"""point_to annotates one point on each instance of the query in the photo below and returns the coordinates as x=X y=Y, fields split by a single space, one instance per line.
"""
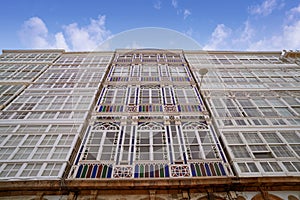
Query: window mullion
x=150 y=95
x=200 y=144
x=100 y=151
x=151 y=145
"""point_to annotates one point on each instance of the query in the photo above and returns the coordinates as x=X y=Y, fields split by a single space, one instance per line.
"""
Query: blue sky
x=213 y=24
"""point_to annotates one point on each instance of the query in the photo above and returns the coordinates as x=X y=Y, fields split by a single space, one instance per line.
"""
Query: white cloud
x=294 y=13
x=287 y=38
x=292 y=35
x=60 y=41
x=186 y=13
x=87 y=37
x=247 y=33
x=34 y=34
x=266 y=44
x=157 y=5
x=266 y=8
x=174 y=3
x=218 y=38
x=189 y=32
x=179 y=11
x=244 y=36
x=225 y=38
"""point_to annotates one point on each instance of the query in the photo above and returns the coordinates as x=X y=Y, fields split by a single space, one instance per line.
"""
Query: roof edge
x=32 y=50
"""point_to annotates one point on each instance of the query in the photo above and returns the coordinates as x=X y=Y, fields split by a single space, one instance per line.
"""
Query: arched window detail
x=102 y=142
x=194 y=126
x=198 y=141
x=106 y=126
x=151 y=142
x=151 y=126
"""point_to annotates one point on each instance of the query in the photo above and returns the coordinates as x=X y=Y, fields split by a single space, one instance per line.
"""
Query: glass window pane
x=233 y=138
x=271 y=137
x=290 y=136
x=252 y=167
x=281 y=151
x=252 y=138
x=240 y=152
x=243 y=167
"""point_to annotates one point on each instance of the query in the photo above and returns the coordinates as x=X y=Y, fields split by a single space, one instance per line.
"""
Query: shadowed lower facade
x=149 y=124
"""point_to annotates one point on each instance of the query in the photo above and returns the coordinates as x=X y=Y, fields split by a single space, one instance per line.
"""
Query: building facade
x=149 y=124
